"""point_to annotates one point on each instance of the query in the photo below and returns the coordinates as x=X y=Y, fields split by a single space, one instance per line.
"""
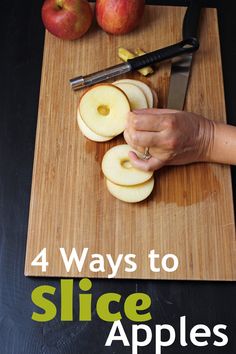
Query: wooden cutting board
x=190 y=213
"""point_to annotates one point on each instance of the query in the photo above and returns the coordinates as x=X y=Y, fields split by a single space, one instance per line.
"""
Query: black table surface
x=210 y=303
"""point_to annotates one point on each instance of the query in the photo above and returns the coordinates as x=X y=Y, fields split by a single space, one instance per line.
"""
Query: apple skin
x=67 y=19
x=119 y=16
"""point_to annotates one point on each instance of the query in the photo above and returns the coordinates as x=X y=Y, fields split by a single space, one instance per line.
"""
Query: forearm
x=223 y=146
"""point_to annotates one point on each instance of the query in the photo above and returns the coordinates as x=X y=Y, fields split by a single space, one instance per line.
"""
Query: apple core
x=126 y=164
x=103 y=110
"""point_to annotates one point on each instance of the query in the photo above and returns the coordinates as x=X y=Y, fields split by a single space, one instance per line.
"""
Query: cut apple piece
x=135 y=95
x=104 y=109
x=131 y=194
x=145 y=88
x=88 y=133
x=155 y=99
x=117 y=168
x=125 y=55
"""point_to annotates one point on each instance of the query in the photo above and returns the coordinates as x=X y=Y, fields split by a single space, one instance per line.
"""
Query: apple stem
x=60 y=3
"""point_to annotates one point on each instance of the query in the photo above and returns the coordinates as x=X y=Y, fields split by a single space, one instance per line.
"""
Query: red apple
x=67 y=19
x=119 y=16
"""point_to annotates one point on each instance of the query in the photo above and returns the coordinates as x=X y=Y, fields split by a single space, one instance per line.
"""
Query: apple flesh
x=119 y=16
x=131 y=194
x=135 y=95
x=67 y=19
x=117 y=168
x=155 y=98
x=88 y=133
x=144 y=87
x=123 y=180
x=104 y=109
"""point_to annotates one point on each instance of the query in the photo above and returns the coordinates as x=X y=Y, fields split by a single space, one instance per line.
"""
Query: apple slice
x=145 y=88
x=88 y=133
x=155 y=98
x=135 y=95
x=104 y=109
x=131 y=194
x=117 y=168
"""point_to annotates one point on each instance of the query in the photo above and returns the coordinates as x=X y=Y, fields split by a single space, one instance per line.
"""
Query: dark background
x=210 y=303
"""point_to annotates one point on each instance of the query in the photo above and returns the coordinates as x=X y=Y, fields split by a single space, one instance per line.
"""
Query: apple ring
x=131 y=194
x=104 y=109
x=144 y=87
x=117 y=168
x=135 y=95
x=88 y=133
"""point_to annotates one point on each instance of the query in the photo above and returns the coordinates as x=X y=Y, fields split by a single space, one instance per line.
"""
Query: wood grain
x=190 y=212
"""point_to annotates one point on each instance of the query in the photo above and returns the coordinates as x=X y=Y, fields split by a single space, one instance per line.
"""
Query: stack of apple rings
x=123 y=180
x=101 y=116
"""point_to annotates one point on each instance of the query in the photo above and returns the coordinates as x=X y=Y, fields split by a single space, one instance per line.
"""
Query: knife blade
x=181 y=67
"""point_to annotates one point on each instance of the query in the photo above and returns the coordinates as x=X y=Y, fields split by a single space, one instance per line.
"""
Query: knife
x=181 y=67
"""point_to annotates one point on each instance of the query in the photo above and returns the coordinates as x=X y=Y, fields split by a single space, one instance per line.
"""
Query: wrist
x=207 y=130
x=222 y=148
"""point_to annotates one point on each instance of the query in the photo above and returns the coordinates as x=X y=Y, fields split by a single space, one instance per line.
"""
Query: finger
x=143 y=120
x=146 y=165
x=129 y=142
x=144 y=138
x=147 y=122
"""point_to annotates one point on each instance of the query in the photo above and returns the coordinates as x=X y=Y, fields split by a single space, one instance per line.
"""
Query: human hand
x=173 y=137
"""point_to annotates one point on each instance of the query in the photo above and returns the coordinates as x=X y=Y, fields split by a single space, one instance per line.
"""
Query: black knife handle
x=191 y=19
x=189 y=45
